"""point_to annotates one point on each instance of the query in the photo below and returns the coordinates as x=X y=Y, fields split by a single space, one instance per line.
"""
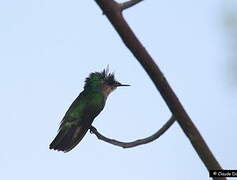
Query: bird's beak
x=119 y=84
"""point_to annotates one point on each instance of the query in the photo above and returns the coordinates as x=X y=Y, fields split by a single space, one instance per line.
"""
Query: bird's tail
x=67 y=139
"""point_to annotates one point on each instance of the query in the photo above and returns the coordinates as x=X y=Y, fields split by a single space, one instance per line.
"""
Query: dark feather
x=68 y=139
x=100 y=77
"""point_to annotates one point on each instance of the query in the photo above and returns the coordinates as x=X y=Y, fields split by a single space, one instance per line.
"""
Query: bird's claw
x=92 y=129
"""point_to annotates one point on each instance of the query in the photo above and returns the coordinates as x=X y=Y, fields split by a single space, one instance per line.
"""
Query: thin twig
x=138 y=142
x=129 y=4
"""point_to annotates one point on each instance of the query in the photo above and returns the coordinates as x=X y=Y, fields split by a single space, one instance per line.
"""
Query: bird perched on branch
x=84 y=109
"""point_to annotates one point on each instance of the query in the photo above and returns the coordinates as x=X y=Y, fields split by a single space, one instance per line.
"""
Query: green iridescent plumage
x=84 y=109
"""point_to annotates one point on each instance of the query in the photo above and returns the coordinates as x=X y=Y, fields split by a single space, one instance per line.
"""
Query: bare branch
x=112 y=10
x=129 y=4
x=138 y=142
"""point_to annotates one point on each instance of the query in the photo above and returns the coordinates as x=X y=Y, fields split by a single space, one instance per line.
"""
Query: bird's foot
x=92 y=130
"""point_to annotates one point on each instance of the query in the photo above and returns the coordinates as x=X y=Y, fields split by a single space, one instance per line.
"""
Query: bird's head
x=104 y=82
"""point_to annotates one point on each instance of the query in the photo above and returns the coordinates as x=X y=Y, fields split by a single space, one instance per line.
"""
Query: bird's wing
x=76 y=122
x=73 y=114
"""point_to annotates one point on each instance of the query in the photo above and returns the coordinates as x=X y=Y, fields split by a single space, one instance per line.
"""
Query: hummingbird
x=82 y=112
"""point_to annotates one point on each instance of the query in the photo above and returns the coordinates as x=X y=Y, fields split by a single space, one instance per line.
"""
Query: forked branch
x=129 y=4
x=113 y=12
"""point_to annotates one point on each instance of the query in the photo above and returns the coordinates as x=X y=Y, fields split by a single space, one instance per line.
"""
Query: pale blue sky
x=48 y=48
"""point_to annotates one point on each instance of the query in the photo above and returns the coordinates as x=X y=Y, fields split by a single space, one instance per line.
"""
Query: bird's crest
x=97 y=78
